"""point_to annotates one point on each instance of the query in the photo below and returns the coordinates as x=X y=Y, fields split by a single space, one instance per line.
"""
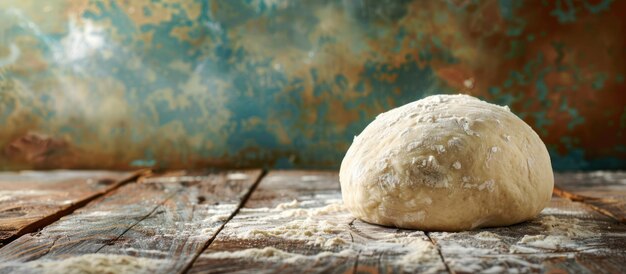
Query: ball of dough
x=446 y=163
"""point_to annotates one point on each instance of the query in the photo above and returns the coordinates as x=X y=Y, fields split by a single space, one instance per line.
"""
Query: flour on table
x=292 y=204
x=277 y=255
x=91 y=263
x=308 y=230
x=237 y=176
x=322 y=221
x=502 y=265
x=545 y=241
x=219 y=218
x=297 y=208
x=558 y=234
x=334 y=241
x=494 y=270
x=418 y=251
x=488 y=236
x=303 y=212
x=570 y=227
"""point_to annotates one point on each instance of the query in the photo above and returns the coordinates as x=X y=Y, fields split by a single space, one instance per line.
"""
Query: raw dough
x=446 y=162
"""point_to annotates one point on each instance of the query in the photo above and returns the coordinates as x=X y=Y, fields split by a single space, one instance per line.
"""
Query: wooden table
x=253 y=221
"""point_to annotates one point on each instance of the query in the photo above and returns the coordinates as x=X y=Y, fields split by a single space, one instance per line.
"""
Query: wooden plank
x=30 y=200
x=164 y=220
x=181 y=227
x=604 y=191
x=295 y=222
x=567 y=237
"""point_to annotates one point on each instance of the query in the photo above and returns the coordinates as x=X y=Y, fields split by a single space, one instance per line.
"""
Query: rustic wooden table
x=283 y=221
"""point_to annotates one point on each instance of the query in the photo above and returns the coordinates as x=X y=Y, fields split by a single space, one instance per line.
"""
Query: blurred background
x=287 y=84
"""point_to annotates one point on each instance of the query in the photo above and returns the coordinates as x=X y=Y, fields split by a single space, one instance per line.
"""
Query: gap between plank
x=232 y=215
x=138 y=221
x=443 y=259
x=585 y=201
x=45 y=221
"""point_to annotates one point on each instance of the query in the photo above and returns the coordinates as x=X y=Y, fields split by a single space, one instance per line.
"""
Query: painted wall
x=283 y=83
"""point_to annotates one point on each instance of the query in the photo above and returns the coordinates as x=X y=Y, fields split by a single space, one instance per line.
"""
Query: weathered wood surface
x=166 y=219
x=295 y=222
x=604 y=191
x=568 y=237
x=30 y=200
x=286 y=226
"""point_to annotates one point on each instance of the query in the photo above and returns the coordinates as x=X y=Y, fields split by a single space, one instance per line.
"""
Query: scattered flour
x=559 y=234
x=312 y=231
x=335 y=241
x=439 y=148
x=237 y=176
x=274 y=254
x=494 y=270
x=292 y=204
x=465 y=124
x=519 y=249
x=295 y=209
x=457 y=248
x=301 y=212
x=268 y=253
x=565 y=227
x=545 y=241
x=488 y=236
x=419 y=251
x=219 y=218
x=507 y=264
x=412 y=145
x=91 y=263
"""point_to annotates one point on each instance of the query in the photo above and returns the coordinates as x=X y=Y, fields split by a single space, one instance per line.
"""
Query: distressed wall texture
x=282 y=83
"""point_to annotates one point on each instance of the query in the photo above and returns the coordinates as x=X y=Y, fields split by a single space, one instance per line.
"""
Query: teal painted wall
x=277 y=83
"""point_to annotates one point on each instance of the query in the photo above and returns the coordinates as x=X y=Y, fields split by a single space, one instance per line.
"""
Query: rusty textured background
x=124 y=84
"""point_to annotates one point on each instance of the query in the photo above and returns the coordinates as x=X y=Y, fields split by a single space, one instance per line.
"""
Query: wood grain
x=31 y=200
x=169 y=218
x=601 y=190
x=295 y=222
x=567 y=237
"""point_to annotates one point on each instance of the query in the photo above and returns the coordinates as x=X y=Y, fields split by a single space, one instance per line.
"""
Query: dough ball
x=446 y=162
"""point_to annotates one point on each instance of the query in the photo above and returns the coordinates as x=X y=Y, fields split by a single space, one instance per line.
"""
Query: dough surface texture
x=446 y=163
